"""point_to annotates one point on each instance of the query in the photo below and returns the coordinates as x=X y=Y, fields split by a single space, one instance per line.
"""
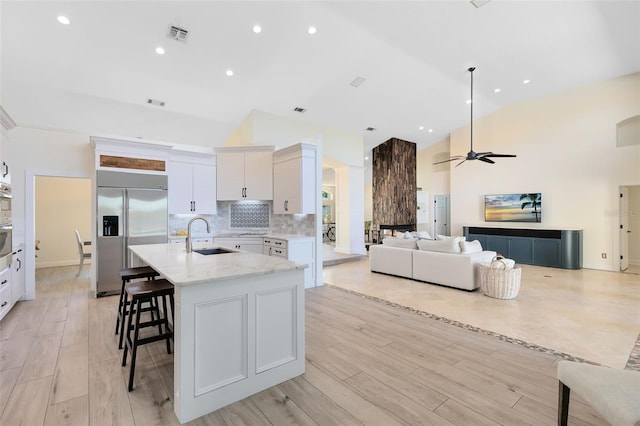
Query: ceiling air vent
x=300 y=110
x=155 y=102
x=178 y=33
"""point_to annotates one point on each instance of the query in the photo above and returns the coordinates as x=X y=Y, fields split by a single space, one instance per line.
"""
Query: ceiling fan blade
x=499 y=155
x=461 y=162
x=457 y=157
x=484 y=154
x=486 y=160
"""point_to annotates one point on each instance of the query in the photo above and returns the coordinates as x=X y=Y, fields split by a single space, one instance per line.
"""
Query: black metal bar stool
x=127 y=275
x=136 y=293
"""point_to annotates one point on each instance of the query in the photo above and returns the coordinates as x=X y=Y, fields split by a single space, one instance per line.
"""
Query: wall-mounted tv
x=513 y=208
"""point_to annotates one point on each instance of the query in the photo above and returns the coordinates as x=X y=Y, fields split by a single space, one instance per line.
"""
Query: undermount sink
x=216 y=250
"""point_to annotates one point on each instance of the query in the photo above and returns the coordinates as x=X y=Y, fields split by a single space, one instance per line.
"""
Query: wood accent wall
x=394 y=183
x=132 y=163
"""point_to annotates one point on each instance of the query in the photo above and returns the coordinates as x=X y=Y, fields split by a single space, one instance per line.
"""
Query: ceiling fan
x=472 y=155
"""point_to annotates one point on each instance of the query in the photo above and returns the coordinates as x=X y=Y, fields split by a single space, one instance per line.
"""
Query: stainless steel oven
x=5 y=226
x=5 y=204
x=5 y=246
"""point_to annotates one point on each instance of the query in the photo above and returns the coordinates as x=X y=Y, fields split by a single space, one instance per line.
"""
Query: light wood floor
x=367 y=363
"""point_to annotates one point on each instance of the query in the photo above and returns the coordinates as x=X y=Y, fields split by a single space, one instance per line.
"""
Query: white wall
x=566 y=148
x=37 y=152
x=61 y=206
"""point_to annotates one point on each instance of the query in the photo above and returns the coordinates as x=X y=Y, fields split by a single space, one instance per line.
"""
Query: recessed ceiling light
x=468 y=101
x=257 y=29
x=497 y=90
x=229 y=73
x=526 y=81
x=63 y=20
x=430 y=130
x=160 y=50
x=312 y=30
x=366 y=158
x=299 y=109
x=421 y=128
x=357 y=81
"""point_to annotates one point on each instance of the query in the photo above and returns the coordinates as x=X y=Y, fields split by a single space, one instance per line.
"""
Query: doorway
x=30 y=220
x=62 y=205
x=441 y=215
x=629 y=211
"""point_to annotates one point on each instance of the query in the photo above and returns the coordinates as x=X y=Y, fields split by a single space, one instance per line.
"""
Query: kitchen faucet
x=188 y=242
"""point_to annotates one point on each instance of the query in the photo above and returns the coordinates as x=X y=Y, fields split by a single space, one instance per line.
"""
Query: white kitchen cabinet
x=7 y=124
x=17 y=275
x=295 y=248
x=245 y=173
x=192 y=188
x=294 y=180
x=5 y=291
x=249 y=244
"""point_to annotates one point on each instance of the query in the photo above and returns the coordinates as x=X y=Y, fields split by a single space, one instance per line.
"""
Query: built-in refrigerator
x=131 y=210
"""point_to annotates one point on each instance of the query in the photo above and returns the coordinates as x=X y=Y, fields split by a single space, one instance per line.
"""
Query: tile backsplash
x=248 y=215
x=234 y=216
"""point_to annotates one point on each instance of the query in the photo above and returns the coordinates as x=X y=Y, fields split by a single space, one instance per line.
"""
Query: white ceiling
x=95 y=75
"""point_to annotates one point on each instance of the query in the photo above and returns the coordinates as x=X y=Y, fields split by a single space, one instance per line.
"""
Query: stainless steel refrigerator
x=131 y=210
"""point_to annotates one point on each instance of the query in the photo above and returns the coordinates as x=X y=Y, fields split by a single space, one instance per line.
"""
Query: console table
x=558 y=248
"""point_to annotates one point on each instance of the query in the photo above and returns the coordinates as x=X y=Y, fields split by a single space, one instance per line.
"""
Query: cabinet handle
x=278 y=243
x=6 y=171
x=3 y=282
x=270 y=248
x=19 y=265
x=4 y=304
x=286 y=205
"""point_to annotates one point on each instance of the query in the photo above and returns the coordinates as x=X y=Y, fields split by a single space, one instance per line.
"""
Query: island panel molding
x=276 y=337
x=220 y=345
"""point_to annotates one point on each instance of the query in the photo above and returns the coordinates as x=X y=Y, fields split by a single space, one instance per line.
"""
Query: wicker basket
x=499 y=282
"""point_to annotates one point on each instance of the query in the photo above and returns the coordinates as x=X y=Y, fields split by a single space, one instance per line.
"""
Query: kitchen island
x=239 y=323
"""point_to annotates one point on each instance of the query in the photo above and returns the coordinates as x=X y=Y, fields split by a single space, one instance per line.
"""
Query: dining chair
x=83 y=255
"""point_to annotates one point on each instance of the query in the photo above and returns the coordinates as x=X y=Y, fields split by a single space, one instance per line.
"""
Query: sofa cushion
x=450 y=245
x=409 y=243
x=467 y=247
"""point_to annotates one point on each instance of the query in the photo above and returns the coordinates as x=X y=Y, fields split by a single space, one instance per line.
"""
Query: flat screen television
x=513 y=208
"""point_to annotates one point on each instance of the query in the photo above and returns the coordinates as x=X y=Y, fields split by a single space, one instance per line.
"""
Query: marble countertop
x=182 y=269
x=287 y=237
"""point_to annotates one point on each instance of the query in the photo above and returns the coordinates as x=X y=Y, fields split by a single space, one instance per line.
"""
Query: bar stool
x=127 y=275
x=136 y=293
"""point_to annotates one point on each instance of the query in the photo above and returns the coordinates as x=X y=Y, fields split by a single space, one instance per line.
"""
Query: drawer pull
x=4 y=304
x=3 y=282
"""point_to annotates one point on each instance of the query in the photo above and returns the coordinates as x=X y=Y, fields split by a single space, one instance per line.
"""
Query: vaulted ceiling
x=97 y=74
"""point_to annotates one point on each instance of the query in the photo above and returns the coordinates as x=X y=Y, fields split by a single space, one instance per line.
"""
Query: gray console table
x=543 y=247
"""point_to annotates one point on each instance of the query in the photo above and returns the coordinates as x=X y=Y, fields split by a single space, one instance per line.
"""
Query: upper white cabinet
x=245 y=173
x=192 y=187
x=294 y=180
x=7 y=124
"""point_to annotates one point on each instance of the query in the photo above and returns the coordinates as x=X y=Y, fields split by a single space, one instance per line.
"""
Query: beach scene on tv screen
x=513 y=208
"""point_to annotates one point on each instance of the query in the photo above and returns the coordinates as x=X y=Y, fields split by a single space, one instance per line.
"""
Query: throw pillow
x=424 y=235
x=408 y=243
x=450 y=245
x=470 y=246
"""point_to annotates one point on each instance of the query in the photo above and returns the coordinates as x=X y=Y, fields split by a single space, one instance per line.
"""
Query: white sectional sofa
x=442 y=262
